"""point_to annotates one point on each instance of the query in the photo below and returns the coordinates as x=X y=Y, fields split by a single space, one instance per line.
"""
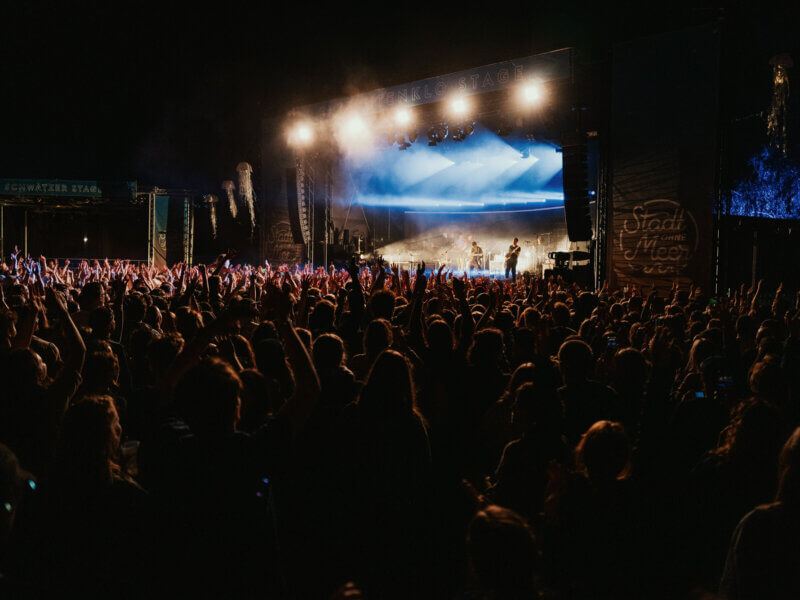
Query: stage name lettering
x=548 y=67
x=51 y=188
x=472 y=82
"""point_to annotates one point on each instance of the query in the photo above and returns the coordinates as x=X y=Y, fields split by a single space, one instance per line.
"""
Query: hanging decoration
x=776 y=120
x=246 y=192
x=773 y=188
x=211 y=200
x=229 y=188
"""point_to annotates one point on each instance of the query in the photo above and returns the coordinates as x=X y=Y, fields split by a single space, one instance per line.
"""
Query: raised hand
x=420 y=283
x=459 y=289
x=57 y=301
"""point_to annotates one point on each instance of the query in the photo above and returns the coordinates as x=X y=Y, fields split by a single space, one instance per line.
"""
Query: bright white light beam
x=459 y=106
x=531 y=93
x=355 y=126
x=402 y=116
x=302 y=134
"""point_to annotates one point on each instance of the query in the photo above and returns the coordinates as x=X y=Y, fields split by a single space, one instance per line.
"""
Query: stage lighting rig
x=437 y=134
x=463 y=130
x=402 y=142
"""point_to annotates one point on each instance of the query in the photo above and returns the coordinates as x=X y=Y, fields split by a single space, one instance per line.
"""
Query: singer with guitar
x=511 y=259
x=476 y=255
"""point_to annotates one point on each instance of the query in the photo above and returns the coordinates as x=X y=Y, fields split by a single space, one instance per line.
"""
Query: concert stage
x=417 y=172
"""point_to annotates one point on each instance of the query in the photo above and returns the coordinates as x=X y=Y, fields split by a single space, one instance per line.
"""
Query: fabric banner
x=161 y=215
x=549 y=66
x=663 y=159
x=66 y=188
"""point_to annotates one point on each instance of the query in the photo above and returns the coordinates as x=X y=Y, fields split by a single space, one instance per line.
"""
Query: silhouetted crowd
x=372 y=432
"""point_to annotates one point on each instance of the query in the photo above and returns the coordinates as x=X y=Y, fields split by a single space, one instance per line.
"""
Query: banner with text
x=66 y=188
x=549 y=66
x=664 y=157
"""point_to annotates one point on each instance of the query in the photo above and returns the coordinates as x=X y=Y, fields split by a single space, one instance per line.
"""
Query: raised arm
x=120 y=288
x=756 y=298
x=73 y=338
x=467 y=322
x=307 y=389
x=356 y=295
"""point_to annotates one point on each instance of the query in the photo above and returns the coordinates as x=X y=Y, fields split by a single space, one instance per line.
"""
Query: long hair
x=377 y=337
x=502 y=552
x=389 y=390
x=604 y=452
x=753 y=435
x=89 y=445
x=524 y=373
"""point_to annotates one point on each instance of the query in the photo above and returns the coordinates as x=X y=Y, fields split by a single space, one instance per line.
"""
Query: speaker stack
x=575 y=156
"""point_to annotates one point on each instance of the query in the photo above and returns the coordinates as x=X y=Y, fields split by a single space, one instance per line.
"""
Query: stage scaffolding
x=19 y=209
x=156 y=251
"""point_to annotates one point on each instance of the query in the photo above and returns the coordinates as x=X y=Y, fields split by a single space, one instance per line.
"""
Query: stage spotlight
x=354 y=134
x=459 y=106
x=463 y=130
x=432 y=137
x=531 y=93
x=355 y=126
x=402 y=116
x=437 y=134
x=301 y=135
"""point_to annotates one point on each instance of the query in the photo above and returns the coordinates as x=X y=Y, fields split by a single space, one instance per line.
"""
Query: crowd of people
x=374 y=432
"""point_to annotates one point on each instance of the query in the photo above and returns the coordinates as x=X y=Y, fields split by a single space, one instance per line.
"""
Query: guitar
x=512 y=254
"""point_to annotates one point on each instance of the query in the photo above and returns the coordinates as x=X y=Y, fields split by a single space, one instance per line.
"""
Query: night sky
x=173 y=95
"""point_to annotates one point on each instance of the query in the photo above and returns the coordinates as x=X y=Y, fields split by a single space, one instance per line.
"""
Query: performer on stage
x=511 y=259
x=476 y=255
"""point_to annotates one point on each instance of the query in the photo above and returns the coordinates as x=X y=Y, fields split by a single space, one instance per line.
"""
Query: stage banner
x=549 y=66
x=66 y=188
x=663 y=159
x=161 y=215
